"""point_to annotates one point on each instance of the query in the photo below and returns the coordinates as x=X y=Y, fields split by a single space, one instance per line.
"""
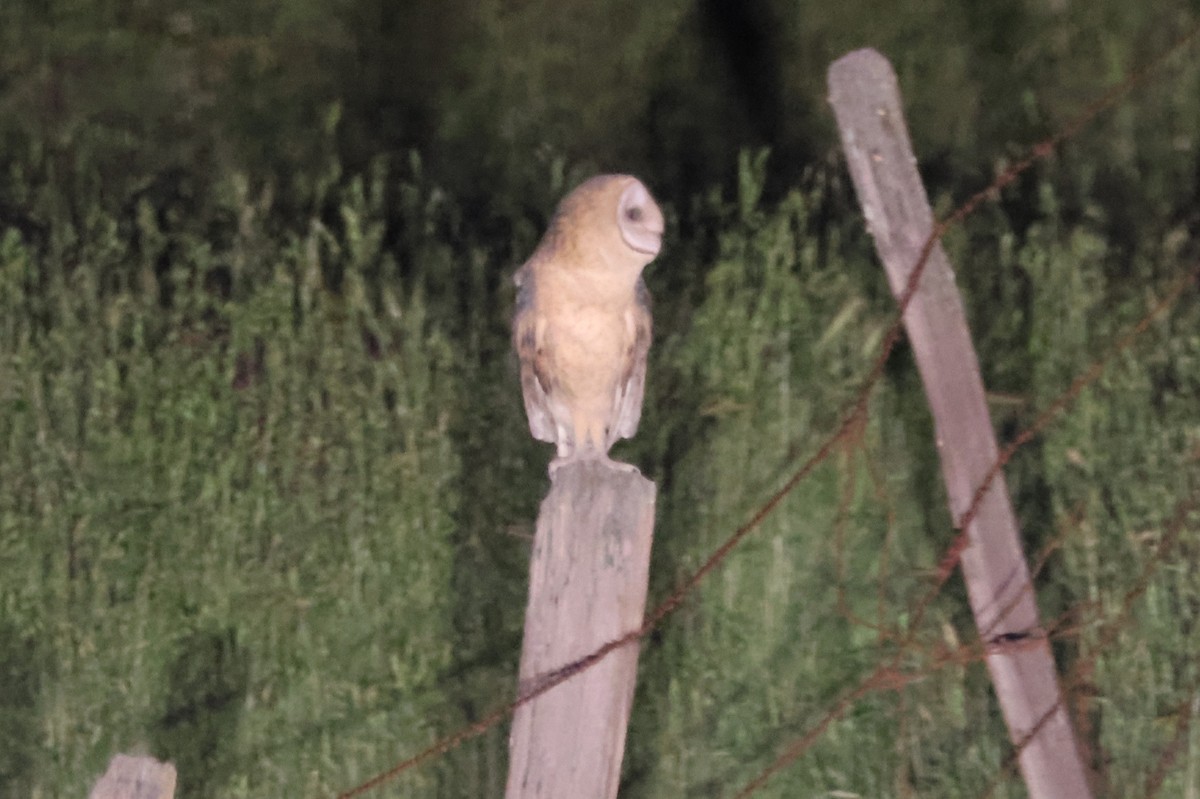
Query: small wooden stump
x=130 y=777
x=587 y=586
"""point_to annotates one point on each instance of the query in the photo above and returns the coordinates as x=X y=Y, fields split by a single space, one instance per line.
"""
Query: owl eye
x=634 y=214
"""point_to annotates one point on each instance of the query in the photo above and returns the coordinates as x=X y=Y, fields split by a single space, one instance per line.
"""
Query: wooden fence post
x=865 y=97
x=587 y=586
x=130 y=777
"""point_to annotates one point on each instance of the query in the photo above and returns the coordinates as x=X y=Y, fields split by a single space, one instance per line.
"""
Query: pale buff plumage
x=582 y=322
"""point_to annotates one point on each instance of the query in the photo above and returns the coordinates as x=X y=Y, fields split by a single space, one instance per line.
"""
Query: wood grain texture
x=866 y=100
x=130 y=777
x=587 y=586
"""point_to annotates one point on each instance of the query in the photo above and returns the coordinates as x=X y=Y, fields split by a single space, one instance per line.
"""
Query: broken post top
x=585 y=479
x=130 y=777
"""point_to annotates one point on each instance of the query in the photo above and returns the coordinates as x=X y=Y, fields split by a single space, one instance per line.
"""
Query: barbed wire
x=852 y=421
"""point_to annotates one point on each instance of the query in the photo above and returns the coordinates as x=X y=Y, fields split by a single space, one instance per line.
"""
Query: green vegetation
x=265 y=479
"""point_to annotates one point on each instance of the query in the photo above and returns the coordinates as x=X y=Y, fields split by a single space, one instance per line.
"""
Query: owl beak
x=646 y=241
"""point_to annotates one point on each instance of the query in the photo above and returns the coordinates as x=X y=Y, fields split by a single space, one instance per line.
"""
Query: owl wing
x=528 y=340
x=631 y=391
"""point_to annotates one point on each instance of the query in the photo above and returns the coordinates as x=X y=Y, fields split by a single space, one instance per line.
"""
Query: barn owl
x=582 y=322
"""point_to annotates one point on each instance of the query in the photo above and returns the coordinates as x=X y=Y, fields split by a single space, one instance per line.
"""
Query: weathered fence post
x=587 y=586
x=130 y=777
x=866 y=100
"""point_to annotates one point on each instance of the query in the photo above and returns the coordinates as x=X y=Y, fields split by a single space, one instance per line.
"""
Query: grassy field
x=264 y=499
x=266 y=484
